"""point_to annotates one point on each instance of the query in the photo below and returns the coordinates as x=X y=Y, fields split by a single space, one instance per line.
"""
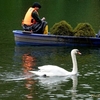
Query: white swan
x=52 y=70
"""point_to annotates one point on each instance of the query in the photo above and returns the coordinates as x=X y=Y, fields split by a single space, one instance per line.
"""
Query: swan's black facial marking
x=78 y=52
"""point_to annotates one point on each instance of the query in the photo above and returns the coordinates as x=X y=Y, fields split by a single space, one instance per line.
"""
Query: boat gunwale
x=19 y=32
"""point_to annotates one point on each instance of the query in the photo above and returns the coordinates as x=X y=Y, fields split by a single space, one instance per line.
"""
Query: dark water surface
x=16 y=83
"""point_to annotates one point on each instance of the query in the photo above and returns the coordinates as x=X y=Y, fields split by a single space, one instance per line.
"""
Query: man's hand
x=43 y=18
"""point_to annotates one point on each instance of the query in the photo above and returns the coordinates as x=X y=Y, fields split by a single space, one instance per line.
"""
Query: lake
x=15 y=62
x=17 y=82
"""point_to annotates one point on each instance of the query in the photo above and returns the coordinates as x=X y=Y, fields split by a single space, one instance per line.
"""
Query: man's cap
x=36 y=4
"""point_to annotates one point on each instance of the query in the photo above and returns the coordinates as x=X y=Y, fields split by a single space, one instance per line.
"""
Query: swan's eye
x=78 y=52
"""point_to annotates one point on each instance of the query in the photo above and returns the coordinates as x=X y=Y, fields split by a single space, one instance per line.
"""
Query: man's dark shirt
x=36 y=17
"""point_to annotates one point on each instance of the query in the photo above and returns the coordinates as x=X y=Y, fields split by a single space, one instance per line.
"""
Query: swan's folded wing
x=54 y=70
x=50 y=70
x=47 y=67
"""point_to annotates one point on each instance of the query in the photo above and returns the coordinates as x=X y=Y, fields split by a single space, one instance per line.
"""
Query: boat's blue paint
x=27 y=38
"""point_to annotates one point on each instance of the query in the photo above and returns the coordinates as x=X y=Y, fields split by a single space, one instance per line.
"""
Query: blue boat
x=32 y=39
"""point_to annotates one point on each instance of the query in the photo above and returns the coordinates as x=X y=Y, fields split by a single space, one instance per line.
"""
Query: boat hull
x=26 y=38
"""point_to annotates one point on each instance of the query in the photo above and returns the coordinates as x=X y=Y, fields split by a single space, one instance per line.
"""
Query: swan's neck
x=74 y=62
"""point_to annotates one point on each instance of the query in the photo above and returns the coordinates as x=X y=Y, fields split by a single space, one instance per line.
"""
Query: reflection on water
x=28 y=64
x=17 y=82
x=29 y=86
x=54 y=84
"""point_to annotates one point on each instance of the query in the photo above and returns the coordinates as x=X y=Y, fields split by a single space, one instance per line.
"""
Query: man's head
x=36 y=5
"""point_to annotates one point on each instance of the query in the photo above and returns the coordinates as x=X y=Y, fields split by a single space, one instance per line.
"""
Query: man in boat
x=32 y=22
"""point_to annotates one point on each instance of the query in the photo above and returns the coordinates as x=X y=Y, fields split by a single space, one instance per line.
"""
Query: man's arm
x=36 y=17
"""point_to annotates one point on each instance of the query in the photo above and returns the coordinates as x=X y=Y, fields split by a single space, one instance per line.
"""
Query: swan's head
x=75 y=51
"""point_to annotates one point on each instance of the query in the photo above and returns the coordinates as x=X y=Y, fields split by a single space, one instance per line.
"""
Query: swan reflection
x=74 y=87
x=56 y=83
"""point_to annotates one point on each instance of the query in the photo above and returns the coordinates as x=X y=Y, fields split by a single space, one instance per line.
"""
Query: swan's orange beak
x=79 y=53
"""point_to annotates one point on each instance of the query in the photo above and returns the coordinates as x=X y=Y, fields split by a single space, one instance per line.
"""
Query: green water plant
x=62 y=28
x=84 y=30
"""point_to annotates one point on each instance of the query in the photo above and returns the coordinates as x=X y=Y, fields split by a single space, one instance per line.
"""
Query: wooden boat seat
x=27 y=32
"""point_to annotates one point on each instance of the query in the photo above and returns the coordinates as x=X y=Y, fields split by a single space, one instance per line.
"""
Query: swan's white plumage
x=53 y=70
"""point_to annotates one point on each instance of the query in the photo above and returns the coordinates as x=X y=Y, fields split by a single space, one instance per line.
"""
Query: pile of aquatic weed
x=62 y=28
x=84 y=30
x=81 y=30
